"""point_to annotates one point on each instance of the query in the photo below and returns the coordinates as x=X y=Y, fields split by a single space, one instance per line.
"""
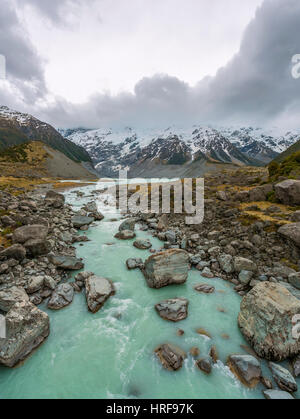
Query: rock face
x=23 y=234
x=98 y=291
x=67 y=262
x=291 y=232
x=171 y=356
x=173 y=310
x=265 y=320
x=61 y=297
x=167 y=268
x=283 y=378
x=26 y=328
x=288 y=192
x=246 y=368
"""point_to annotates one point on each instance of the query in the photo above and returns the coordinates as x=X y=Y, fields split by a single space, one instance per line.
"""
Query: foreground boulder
x=167 y=268
x=61 y=297
x=98 y=291
x=16 y=251
x=67 y=262
x=171 y=356
x=246 y=368
x=265 y=320
x=283 y=378
x=288 y=192
x=24 y=234
x=291 y=232
x=11 y=296
x=173 y=310
x=26 y=328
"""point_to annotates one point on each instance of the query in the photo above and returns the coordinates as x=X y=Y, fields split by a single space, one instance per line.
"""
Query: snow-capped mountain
x=178 y=151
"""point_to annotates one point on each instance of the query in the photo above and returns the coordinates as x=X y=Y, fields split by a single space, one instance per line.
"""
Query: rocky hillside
x=17 y=128
x=176 y=151
x=291 y=150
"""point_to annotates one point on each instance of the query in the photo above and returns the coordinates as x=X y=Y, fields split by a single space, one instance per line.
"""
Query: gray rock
x=245 y=277
x=171 y=237
x=173 y=310
x=265 y=320
x=283 y=378
x=296 y=366
x=247 y=369
x=128 y=225
x=35 y=284
x=170 y=267
x=291 y=232
x=49 y=283
x=242 y=264
x=23 y=234
x=61 y=297
x=37 y=247
x=80 y=221
x=98 y=291
x=277 y=395
x=142 y=244
x=226 y=263
x=26 y=327
x=67 y=262
x=294 y=280
x=134 y=263
x=260 y=193
x=12 y=296
x=163 y=222
x=295 y=217
x=288 y=192
x=16 y=251
x=222 y=196
x=54 y=199
x=125 y=235
x=207 y=273
x=171 y=356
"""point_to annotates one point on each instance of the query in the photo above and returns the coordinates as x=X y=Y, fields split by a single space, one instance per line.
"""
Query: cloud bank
x=255 y=87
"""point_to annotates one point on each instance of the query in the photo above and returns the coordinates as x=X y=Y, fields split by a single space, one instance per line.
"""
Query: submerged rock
x=167 y=268
x=265 y=320
x=125 y=235
x=98 y=291
x=173 y=310
x=283 y=378
x=26 y=328
x=171 y=356
x=62 y=296
x=246 y=368
x=205 y=288
x=142 y=244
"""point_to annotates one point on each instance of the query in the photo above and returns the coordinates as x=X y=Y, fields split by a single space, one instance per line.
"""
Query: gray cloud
x=254 y=87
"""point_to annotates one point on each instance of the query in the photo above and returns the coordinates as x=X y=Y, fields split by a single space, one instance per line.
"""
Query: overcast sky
x=151 y=62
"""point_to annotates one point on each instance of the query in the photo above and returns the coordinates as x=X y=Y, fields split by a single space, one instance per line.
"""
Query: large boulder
x=288 y=192
x=171 y=356
x=16 y=251
x=35 y=284
x=67 y=262
x=37 y=247
x=12 y=296
x=98 y=291
x=26 y=328
x=142 y=244
x=167 y=268
x=80 y=221
x=61 y=297
x=291 y=232
x=266 y=321
x=260 y=193
x=174 y=310
x=246 y=368
x=24 y=234
x=242 y=264
x=128 y=225
x=54 y=199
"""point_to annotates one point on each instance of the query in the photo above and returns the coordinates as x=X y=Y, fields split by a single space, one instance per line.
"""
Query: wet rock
x=26 y=328
x=35 y=284
x=283 y=378
x=80 y=221
x=170 y=267
x=98 y=291
x=128 y=225
x=171 y=356
x=213 y=353
x=205 y=288
x=134 y=263
x=205 y=365
x=246 y=368
x=67 y=262
x=277 y=395
x=203 y=332
x=61 y=297
x=291 y=232
x=242 y=264
x=142 y=244
x=125 y=235
x=11 y=296
x=288 y=192
x=23 y=234
x=265 y=320
x=195 y=352
x=207 y=273
x=267 y=383
x=173 y=310
x=16 y=251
